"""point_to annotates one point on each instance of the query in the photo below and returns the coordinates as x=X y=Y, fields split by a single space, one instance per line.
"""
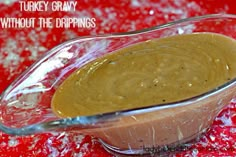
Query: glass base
x=147 y=151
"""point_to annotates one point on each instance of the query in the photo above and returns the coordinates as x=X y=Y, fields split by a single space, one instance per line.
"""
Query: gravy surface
x=148 y=73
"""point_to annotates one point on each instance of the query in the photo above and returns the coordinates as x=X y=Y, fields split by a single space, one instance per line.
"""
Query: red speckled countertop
x=19 y=48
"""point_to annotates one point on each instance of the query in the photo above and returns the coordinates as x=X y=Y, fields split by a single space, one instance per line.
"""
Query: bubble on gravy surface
x=148 y=73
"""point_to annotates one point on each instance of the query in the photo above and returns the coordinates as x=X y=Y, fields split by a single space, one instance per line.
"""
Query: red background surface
x=19 y=48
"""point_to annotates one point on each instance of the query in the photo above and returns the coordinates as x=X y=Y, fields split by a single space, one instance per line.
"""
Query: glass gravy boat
x=25 y=105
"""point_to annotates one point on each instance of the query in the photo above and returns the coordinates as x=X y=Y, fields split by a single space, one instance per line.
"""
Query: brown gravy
x=148 y=73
